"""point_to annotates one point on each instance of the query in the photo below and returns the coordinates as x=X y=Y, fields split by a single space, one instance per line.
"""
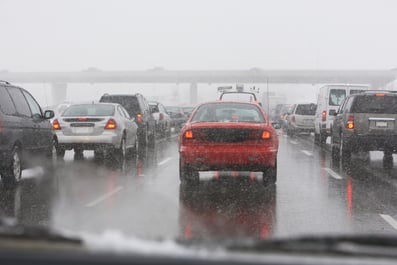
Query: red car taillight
x=350 y=122
x=293 y=119
x=111 y=124
x=188 y=134
x=260 y=135
x=56 y=125
x=324 y=115
x=139 y=118
x=266 y=135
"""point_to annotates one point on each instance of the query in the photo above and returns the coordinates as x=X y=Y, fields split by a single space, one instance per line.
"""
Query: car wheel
x=59 y=151
x=143 y=146
x=334 y=150
x=316 y=138
x=78 y=154
x=270 y=175
x=99 y=155
x=188 y=176
x=388 y=159
x=323 y=139
x=123 y=149
x=344 y=153
x=13 y=172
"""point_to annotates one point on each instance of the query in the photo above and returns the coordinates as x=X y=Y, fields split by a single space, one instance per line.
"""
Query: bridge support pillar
x=193 y=93
x=58 y=92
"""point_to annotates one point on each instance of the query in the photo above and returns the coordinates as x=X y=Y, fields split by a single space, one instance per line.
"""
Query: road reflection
x=219 y=210
x=29 y=202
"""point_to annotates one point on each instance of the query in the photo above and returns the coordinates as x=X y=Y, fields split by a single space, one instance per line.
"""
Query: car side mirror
x=333 y=112
x=49 y=114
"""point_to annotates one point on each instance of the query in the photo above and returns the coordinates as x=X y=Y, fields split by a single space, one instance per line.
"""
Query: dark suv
x=366 y=122
x=25 y=132
x=138 y=107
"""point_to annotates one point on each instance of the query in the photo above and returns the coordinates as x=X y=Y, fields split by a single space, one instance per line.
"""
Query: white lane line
x=307 y=152
x=332 y=173
x=293 y=142
x=104 y=197
x=390 y=220
x=164 y=161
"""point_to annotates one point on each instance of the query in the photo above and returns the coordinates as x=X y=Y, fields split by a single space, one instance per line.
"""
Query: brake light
x=139 y=118
x=379 y=95
x=189 y=134
x=293 y=118
x=266 y=135
x=324 y=115
x=111 y=124
x=56 y=125
x=350 y=122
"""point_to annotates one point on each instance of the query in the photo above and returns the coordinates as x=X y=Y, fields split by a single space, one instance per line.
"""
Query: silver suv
x=366 y=122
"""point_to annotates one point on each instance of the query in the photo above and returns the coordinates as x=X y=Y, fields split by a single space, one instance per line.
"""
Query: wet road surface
x=313 y=196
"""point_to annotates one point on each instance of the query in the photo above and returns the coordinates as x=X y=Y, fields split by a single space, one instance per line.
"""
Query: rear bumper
x=372 y=142
x=88 y=142
x=298 y=128
x=244 y=158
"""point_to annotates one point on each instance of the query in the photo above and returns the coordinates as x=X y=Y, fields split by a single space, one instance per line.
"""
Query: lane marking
x=164 y=161
x=104 y=197
x=307 y=152
x=332 y=173
x=390 y=220
x=293 y=142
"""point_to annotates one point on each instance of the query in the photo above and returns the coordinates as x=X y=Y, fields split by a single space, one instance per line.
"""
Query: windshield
x=140 y=150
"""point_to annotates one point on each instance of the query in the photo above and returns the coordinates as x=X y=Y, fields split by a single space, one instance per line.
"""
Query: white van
x=329 y=98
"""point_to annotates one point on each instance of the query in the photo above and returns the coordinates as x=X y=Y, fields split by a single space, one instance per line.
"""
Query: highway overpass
x=59 y=80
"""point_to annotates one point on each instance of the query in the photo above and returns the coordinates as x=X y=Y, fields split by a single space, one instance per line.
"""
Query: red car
x=228 y=138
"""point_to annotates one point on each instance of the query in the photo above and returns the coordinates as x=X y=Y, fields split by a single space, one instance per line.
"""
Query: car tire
x=323 y=139
x=388 y=159
x=334 y=150
x=270 y=175
x=143 y=146
x=344 y=153
x=188 y=176
x=78 y=154
x=60 y=152
x=122 y=151
x=99 y=155
x=12 y=173
x=316 y=138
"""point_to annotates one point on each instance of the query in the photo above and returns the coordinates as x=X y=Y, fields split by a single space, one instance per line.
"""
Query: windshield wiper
x=363 y=245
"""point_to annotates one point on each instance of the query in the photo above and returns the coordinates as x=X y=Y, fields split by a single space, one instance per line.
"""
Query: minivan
x=25 y=132
x=330 y=97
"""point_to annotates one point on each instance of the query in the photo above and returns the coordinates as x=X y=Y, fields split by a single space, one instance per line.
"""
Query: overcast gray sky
x=56 y=35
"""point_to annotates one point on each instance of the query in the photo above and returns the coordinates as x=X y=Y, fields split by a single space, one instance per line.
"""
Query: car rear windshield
x=228 y=112
x=89 y=110
x=375 y=104
x=130 y=103
x=306 y=109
